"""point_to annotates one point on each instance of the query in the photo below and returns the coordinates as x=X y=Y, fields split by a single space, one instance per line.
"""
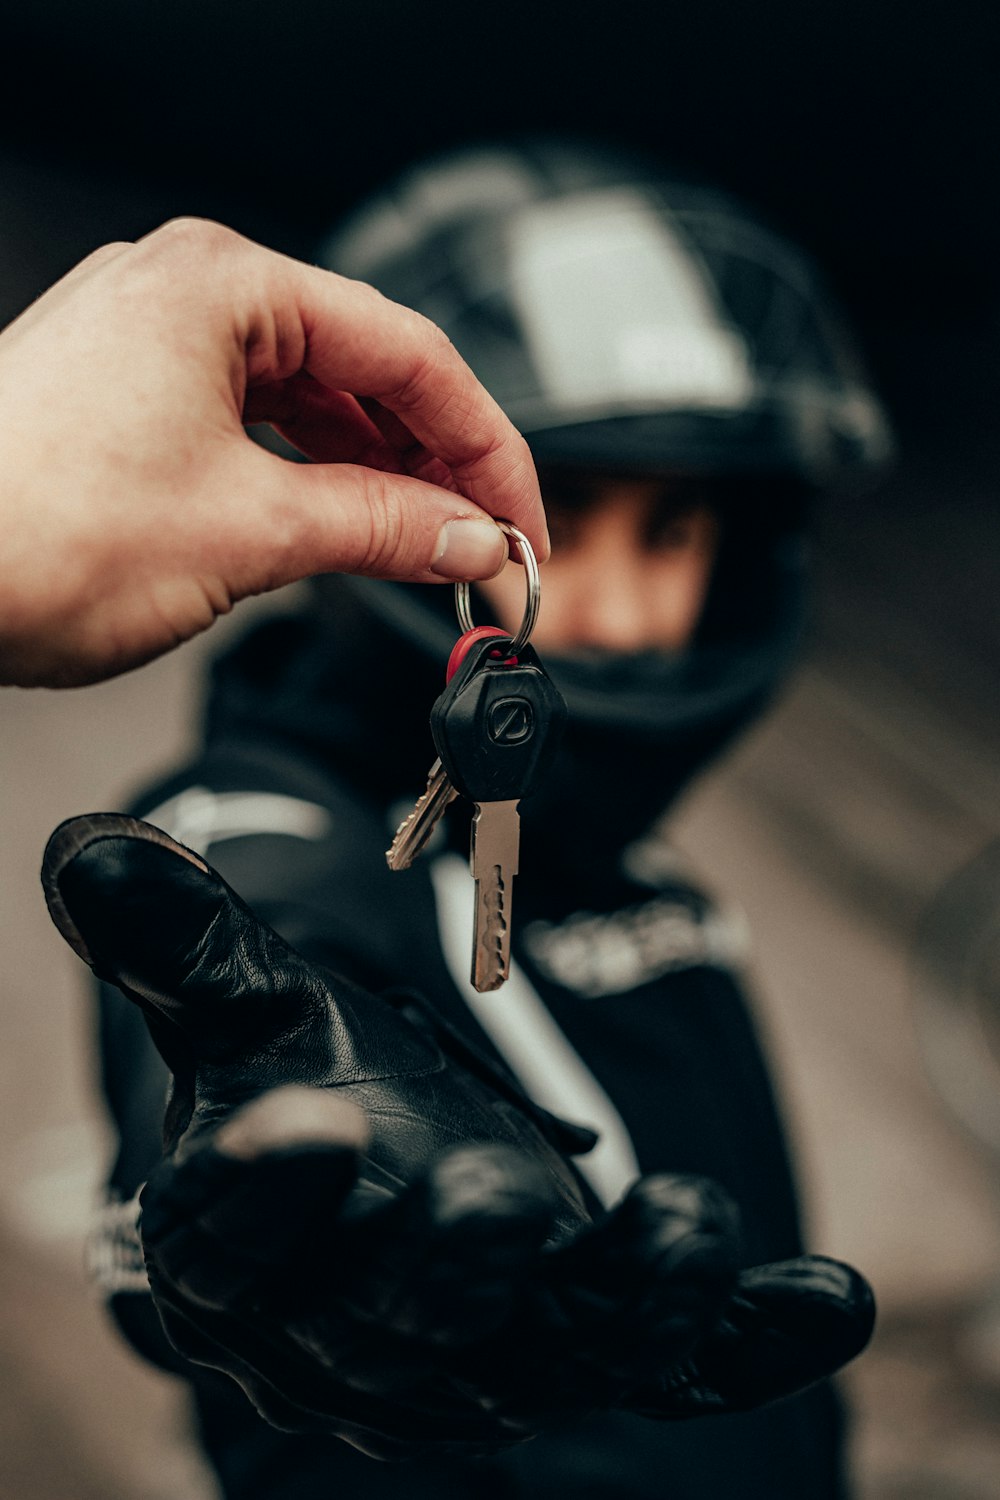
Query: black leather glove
x=366 y=1224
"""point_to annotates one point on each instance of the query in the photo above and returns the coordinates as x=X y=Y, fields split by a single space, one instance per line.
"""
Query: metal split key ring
x=533 y=587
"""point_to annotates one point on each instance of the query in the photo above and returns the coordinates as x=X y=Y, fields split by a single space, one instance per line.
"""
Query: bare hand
x=135 y=510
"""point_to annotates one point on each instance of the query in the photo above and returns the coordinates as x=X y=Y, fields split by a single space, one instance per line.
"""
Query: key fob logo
x=510 y=721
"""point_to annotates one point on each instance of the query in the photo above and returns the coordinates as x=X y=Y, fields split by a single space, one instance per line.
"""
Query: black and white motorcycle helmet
x=623 y=319
x=631 y=322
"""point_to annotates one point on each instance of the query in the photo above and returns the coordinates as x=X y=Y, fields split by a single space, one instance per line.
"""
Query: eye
x=564 y=525
x=568 y=498
x=672 y=530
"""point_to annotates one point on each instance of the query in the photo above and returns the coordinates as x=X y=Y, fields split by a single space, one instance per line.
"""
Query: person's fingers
x=334 y=427
x=400 y=532
x=244 y=1208
x=326 y=426
x=284 y=316
x=445 y=1262
x=357 y=340
x=419 y=375
x=606 y=1311
x=785 y=1327
x=284 y=521
x=656 y=1267
x=414 y=458
x=635 y=1291
x=152 y=917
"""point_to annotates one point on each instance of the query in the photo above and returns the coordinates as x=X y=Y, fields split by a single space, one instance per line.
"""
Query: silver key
x=496 y=837
x=495 y=726
x=416 y=828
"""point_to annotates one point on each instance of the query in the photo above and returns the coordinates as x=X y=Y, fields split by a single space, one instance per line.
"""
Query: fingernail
x=469 y=549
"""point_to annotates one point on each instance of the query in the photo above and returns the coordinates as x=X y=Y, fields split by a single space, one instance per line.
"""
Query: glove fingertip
x=787 y=1326
x=86 y=860
x=821 y=1305
x=256 y=1184
x=292 y=1118
x=154 y=919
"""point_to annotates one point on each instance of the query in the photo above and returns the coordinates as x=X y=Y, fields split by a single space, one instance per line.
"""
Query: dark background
x=869 y=129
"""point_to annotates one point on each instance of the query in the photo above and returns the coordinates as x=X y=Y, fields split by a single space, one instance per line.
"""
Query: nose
x=598 y=595
x=610 y=607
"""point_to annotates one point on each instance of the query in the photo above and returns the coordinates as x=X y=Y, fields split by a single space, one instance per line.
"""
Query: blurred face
x=630 y=567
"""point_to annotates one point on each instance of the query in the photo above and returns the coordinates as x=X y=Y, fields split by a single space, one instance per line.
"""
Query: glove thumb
x=785 y=1326
x=151 y=917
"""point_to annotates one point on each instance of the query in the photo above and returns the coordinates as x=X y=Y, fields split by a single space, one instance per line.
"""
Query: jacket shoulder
x=304 y=849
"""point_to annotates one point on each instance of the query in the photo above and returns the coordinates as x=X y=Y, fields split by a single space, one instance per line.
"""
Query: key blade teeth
x=416 y=828
x=491 y=949
x=495 y=838
x=398 y=859
x=404 y=847
x=485 y=985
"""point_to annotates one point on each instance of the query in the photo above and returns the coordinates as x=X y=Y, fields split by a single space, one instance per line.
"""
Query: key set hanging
x=496 y=728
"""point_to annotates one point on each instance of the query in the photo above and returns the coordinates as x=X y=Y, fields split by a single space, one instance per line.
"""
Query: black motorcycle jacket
x=624 y=1013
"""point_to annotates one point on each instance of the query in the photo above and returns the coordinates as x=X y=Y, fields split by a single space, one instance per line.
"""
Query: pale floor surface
x=832 y=871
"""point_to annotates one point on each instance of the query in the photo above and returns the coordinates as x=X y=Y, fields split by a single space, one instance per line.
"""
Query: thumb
x=784 y=1327
x=787 y=1326
x=150 y=916
x=295 y=520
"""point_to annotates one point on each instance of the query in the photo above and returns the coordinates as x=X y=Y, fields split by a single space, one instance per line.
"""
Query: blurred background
x=858 y=828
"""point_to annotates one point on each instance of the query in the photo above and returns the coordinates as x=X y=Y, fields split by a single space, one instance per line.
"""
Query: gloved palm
x=365 y=1224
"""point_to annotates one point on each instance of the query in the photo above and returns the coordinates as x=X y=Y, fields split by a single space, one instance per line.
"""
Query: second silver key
x=415 y=831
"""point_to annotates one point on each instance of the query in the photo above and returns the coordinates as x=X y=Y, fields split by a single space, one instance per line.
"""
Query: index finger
x=357 y=340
